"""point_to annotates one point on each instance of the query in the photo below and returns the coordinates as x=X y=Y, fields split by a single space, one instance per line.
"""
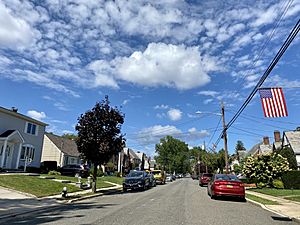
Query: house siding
x=51 y=152
x=10 y=122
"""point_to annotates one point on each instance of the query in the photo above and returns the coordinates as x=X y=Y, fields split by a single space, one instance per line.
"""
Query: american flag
x=273 y=102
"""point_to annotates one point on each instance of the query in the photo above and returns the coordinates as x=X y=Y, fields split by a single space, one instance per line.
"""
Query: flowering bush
x=265 y=168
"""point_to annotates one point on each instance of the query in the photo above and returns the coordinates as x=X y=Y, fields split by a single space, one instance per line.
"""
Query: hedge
x=291 y=179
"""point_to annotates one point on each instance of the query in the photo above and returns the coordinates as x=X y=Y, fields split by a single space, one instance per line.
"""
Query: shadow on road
x=230 y=199
x=55 y=214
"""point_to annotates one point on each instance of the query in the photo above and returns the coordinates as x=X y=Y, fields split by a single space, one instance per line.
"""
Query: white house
x=21 y=138
x=62 y=150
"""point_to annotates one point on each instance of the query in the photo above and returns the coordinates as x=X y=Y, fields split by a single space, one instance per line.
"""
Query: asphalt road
x=176 y=203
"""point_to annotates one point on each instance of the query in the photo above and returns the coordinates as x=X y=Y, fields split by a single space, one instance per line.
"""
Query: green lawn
x=294 y=198
x=261 y=200
x=34 y=185
x=277 y=192
x=113 y=179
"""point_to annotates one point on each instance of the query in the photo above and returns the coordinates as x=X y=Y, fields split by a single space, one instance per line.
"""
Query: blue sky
x=162 y=61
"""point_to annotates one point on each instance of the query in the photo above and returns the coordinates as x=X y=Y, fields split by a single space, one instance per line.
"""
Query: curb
x=270 y=210
x=59 y=204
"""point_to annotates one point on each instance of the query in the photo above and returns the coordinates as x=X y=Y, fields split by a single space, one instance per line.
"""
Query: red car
x=226 y=185
x=205 y=178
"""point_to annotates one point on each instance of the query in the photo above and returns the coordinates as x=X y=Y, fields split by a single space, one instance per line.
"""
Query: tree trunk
x=94 y=188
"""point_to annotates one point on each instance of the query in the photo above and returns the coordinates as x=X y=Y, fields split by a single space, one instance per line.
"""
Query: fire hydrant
x=64 y=192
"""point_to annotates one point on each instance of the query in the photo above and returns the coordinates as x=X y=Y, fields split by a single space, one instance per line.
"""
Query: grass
x=113 y=179
x=261 y=200
x=277 y=192
x=35 y=185
x=293 y=198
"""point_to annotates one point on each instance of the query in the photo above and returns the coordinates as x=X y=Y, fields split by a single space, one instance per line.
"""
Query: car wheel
x=212 y=196
x=124 y=189
x=201 y=185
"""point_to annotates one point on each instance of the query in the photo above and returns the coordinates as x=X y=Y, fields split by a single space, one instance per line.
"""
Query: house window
x=27 y=151
x=31 y=128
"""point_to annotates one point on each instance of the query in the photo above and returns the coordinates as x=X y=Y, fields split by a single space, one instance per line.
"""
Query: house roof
x=21 y=116
x=253 y=150
x=6 y=133
x=66 y=145
x=133 y=154
x=293 y=138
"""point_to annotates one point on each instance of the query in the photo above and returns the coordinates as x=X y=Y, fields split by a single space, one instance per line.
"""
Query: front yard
x=40 y=187
x=283 y=193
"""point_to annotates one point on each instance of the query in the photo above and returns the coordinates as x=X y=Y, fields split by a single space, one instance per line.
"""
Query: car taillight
x=241 y=185
x=220 y=182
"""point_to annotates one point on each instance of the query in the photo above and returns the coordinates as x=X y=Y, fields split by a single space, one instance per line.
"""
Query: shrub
x=261 y=185
x=278 y=184
x=117 y=174
x=291 y=179
x=53 y=172
x=99 y=171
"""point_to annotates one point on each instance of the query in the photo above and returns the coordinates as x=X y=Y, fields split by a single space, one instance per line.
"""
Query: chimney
x=14 y=109
x=266 y=141
x=277 y=136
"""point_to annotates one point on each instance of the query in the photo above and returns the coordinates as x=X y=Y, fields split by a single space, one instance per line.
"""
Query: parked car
x=205 y=178
x=169 y=178
x=136 y=180
x=160 y=176
x=75 y=170
x=226 y=185
x=152 y=179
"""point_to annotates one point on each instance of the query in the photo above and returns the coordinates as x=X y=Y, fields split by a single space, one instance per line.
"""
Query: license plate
x=229 y=186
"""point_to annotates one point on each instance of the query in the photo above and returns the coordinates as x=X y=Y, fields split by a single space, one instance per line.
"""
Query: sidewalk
x=14 y=203
x=285 y=208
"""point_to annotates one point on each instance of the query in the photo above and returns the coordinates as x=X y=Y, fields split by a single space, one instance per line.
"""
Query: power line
x=273 y=63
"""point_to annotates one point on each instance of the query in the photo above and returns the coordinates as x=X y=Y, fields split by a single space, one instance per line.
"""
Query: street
x=176 y=203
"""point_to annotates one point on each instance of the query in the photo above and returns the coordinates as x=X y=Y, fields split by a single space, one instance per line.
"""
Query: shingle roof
x=7 y=133
x=19 y=115
x=66 y=145
x=253 y=150
x=294 y=140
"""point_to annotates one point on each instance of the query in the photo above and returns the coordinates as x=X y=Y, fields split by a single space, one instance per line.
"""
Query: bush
x=53 y=172
x=117 y=174
x=278 y=184
x=291 y=179
x=99 y=172
x=261 y=185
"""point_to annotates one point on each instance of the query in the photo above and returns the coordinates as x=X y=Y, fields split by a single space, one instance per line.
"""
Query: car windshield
x=135 y=174
x=227 y=177
x=207 y=175
x=155 y=172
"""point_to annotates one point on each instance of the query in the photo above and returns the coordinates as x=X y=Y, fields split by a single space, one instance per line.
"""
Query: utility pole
x=225 y=137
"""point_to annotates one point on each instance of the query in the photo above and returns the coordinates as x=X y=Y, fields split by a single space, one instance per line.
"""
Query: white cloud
x=14 y=32
x=162 y=106
x=125 y=102
x=207 y=101
x=36 y=115
x=208 y=93
x=160 y=64
x=153 y=134
x=174 y=114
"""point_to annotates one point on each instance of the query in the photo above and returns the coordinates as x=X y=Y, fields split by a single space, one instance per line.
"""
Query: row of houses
x=289 y=139
x=23 y=140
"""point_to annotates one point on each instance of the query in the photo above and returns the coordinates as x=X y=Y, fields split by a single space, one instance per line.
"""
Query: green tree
x=70 y=136
x=239 y=147
x=173 y=155
x=288 y=153
x=99 y=134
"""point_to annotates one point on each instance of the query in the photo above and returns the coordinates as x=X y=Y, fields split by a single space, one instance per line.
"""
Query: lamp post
x=224 y=135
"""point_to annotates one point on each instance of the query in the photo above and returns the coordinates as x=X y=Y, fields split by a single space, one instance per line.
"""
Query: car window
x=135 y=174
x=207 y=175
x=226 y=177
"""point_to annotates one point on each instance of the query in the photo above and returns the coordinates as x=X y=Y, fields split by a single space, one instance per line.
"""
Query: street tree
x=99 y=135
x=173 y=155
